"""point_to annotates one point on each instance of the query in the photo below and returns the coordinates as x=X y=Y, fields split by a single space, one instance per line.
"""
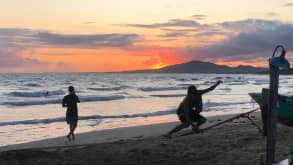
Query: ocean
x=30 y=104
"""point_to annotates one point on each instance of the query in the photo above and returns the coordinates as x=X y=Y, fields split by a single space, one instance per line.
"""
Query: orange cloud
x=104 y=59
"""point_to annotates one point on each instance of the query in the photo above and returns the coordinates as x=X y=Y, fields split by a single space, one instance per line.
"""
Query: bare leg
x=72 y=129
x=201 y=121
x=176 y=129
x=68 y=136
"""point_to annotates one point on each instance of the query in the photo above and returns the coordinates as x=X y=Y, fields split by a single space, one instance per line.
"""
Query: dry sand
x=234 y=143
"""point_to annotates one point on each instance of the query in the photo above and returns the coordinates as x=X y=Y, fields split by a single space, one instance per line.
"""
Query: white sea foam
x=33 y=85
x=207 y=106
x=108 y=88
x=169 y=95
x=58 y=101
x=36 y=93
x=151 y=89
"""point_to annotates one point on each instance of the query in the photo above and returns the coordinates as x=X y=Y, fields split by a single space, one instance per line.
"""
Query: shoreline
x=116 y=134
x=237 y=142
x=94 y=137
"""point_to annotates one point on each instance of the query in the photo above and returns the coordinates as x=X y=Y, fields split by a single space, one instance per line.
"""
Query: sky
x=120 y=35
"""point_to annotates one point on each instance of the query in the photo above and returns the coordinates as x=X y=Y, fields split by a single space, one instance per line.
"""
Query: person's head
x=71 y=89
x=191 y=90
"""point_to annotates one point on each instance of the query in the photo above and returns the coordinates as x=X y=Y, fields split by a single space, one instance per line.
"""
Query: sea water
x=30 y=104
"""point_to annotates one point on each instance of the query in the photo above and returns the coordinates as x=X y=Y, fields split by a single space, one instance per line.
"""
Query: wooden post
x=264 y=110
x=272 y=115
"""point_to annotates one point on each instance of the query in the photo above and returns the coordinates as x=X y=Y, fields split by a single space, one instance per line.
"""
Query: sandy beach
x=237 y=142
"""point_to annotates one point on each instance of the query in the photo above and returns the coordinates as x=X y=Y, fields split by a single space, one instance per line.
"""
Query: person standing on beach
x=70 y=101
x=189 y=109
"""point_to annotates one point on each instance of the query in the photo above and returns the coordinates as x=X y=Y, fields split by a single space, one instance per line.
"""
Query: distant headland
x=203 y=67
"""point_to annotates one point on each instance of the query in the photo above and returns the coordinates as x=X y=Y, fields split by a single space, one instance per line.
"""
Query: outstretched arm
x=212 y=87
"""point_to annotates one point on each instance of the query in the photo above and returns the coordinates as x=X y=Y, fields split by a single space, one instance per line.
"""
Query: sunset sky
x=117 y=35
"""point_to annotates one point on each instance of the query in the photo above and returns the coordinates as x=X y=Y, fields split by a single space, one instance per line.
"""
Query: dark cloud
x=86 y=41
x=212 y=33
x=16 y=38
x=249 y=24
x=187 y=30
x=247 y=44
x=199 y=16
x=170 y=23
x=37 y=38
x=288 y=4
x=187 y=33
x=176 y=28
x=174 y=34
x=15 y=32
x=242 y=40
x=14 y=41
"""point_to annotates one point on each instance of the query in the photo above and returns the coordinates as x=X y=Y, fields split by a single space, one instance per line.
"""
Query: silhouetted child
x=189 y=109
x=70 y=101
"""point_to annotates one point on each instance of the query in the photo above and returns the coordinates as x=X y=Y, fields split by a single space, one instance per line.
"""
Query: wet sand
x=234 y=143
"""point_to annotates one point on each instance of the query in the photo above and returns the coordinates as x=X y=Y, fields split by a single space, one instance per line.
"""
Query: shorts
x=71 y=119
x=194 y=116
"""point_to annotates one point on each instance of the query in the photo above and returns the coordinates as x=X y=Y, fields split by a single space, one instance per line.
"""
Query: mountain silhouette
x=202 y=67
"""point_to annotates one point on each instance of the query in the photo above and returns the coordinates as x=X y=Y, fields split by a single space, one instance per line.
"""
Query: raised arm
x=211 y=88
